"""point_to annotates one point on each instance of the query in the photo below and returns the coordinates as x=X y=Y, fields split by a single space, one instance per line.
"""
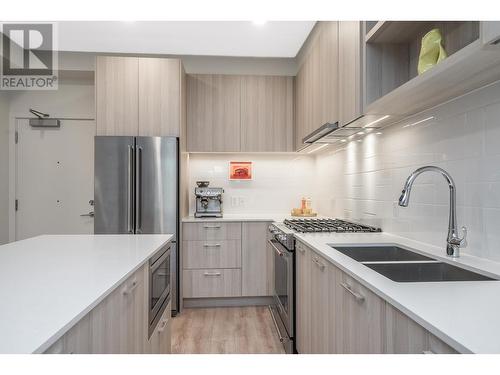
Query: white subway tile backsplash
x=463 y=137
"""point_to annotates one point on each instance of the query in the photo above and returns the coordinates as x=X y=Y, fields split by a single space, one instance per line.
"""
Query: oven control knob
x=281 y=237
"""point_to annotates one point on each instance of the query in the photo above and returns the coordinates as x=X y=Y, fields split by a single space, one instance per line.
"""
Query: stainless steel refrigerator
x=136 y=190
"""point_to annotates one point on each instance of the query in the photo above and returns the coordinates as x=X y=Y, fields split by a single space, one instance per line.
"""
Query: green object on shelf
x=432 y=50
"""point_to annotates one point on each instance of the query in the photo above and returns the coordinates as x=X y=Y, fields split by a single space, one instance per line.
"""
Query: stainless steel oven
x=159 y=285
x=283 y=309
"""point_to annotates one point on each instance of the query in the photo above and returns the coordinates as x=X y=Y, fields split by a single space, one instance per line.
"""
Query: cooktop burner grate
x=328 y=225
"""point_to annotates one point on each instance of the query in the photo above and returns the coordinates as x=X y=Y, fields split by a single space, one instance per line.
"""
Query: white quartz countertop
x=243 y=217
x=48 y=283
x=465 y=315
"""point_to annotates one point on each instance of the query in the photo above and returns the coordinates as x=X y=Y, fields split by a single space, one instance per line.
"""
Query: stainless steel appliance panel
x=156 y=185
x=159 y=285
x=114 y=185
x=284 y=293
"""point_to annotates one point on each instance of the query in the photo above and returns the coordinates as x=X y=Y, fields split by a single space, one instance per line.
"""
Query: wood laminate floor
x=228 y=330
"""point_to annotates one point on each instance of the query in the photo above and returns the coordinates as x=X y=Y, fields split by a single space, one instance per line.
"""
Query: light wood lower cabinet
x=404 y=336
x=358 y=316
x=160 y=340
x=212 y=283
x=320 y=313
x=336 y=314
x=257 y=273
x=119 y=324
x=75 y=341
x=303 y=299
x=212 y=254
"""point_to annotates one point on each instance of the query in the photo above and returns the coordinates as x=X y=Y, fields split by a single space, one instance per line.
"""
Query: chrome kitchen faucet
x=453 y=242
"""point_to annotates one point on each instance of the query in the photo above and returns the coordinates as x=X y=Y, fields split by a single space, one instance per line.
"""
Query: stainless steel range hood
x=332 y=133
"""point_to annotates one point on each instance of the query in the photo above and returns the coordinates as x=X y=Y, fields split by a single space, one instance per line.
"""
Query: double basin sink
x=402 y=265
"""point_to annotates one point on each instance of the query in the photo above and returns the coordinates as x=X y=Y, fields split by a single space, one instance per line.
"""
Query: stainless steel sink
x=425 y=272
x=380 y=254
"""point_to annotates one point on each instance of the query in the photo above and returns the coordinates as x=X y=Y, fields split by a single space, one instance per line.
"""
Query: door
x=156 y=185
x=114 y=188
x=54 y=178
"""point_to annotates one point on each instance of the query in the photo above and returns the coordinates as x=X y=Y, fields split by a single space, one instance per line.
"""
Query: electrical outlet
x=241 y=201
x=234 y=201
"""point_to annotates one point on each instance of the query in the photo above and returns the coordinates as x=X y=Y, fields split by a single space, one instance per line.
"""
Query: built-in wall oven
x=283 y=308
x=159 y=285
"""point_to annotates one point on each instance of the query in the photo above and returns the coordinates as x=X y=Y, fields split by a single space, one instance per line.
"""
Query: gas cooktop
x=328 y=225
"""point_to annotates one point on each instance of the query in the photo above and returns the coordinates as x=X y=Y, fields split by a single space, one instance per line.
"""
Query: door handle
x=278 y=251
x=138 y=190
x=130 y=191
x=90 y=214
x=359 y=297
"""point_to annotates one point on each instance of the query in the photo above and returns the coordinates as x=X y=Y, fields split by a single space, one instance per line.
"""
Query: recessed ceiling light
x=378 y=133
x=376 y=121
x=318 y=148
x=361 y=133
x=259 y=22
x=360 y=140
x=343 y=140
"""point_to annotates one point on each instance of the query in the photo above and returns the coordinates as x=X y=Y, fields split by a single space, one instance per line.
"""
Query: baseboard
x=228 y=302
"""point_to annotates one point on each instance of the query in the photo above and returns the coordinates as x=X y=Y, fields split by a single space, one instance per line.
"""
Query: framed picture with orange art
x=240 y=170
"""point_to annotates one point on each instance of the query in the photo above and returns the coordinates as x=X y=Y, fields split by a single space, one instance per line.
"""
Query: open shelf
x=470 y=68
x=391 y=55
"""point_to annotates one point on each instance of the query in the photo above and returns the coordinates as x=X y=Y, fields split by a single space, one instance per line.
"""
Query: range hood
x=331 y=132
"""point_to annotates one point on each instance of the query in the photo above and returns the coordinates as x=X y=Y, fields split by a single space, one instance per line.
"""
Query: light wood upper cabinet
x=159 y=97
x=266 y=113
x=213 y=117
x=116 y=86
x=350 y=71
x=257 y=260
x=317 y=82
x=140 y=96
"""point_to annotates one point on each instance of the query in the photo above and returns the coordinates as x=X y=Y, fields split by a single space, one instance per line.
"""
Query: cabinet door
x=119 y=322
x=327 y=83
x=213 y=112
x=303 y=300
x=116 y=88
x=359 y=317
x=159 y=342
x=266 y=113
x=350 y=98
x=320 y=317
x=256 y=275
x=76 y=341
x=159 y=97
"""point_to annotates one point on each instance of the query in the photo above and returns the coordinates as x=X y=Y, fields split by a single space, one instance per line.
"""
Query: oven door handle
x=272 y=243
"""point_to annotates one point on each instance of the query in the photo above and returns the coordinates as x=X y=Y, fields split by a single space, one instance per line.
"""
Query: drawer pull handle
x=212 y=273
x=301 y=249
x=428 y=352
x=211 y=245
x=318 y=263
x=359 y=297
x=211 y=226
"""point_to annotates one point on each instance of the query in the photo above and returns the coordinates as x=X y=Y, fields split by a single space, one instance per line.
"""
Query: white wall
x=4 y=168
x=364 y=180
x=280 y=181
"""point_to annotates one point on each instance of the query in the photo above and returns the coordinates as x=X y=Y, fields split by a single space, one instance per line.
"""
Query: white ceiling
x=209 y=38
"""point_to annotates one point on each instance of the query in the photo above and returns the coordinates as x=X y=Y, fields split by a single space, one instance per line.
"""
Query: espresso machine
x=208 y=200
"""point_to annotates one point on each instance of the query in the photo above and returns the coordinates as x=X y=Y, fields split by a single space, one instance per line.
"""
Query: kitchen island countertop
x=48 y=283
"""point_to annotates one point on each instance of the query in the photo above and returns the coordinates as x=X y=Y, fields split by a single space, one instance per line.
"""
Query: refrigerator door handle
x=138 y=189
x=130 y=187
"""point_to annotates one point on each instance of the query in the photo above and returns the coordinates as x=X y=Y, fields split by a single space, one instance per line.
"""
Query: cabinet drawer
x=212 y=254
x=212 y=283
x=212 y=231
